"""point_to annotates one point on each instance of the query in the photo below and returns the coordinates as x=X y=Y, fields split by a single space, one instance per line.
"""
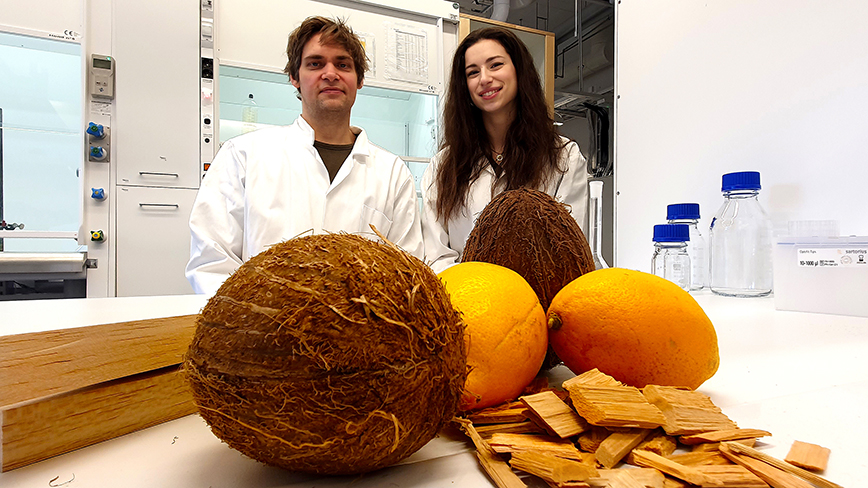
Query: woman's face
x=491 y=77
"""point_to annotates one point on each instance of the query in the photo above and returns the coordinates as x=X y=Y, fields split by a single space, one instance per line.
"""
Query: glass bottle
x=741 y=240
x=249 y=115
x=670 y=260
x=595 y=224
x=688 y=213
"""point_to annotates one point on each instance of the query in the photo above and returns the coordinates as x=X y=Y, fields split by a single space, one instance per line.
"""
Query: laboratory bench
x=800 y=376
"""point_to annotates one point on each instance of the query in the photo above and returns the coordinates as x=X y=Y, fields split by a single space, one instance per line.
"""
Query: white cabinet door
x=156 y=127
x=153 y=240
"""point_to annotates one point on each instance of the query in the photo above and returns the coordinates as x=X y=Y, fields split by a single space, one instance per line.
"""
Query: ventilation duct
x=500 y=11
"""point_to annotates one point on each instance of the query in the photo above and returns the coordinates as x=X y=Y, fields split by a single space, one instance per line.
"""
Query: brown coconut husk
x=328 y=354
x=534 y=235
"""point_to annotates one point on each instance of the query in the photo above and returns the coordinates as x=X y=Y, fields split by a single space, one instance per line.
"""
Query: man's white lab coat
x=445 y=243
x=271 y=185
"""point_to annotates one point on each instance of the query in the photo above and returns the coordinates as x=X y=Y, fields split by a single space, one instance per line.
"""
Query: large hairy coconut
x=328 y=354
x=534 y=235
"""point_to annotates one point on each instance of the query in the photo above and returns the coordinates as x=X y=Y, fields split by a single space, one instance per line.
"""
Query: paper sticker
x=101 y=108
x=833 y=257
x=406 y=54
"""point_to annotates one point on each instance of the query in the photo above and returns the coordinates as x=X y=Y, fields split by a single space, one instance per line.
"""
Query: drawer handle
x=151 y=173
x=173 y=205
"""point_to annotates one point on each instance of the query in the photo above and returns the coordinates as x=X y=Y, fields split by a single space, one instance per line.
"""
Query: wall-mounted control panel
x=208 y=111
x=102 y=76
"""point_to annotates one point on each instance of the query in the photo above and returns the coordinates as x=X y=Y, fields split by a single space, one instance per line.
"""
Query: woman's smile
x=491 y=77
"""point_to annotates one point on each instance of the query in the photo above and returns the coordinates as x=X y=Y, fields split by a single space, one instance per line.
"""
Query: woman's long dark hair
x=532 y=143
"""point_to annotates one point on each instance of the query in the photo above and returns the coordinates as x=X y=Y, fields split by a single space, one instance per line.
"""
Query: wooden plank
x=499 y=471
x=808 y=456
x=732 y=476
x=555 y=414
x=671 y=482
x=657 y=442
x=62 y=423
x=551 y=468
x=647 y=477
x=509 y=443
x=590 y=440
x=526 y=427
x=615 y=406
x=723 y=435
x=686 y=411
x=504 y=413
x=680 y=471
x=699 y=458
x=775 y=477
x=495 y=467
x=625 y=479
x=42 y=364
x=617 y=445
x=789 y=468
x=593 y=377
x=715 y=446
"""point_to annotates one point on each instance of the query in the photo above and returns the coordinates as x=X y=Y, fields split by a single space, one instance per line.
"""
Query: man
x=316 y=176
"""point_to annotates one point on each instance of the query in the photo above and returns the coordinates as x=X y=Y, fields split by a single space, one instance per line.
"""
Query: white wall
x=58 y=17
x=253 y=34
x=706 y=88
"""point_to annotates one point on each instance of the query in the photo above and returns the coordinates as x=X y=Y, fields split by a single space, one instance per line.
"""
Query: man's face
x=327 y=80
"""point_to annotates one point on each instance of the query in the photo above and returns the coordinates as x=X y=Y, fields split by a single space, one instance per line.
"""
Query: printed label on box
x=833 y=257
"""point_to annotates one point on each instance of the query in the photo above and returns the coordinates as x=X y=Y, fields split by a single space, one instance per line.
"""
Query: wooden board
x=62 y=423
x=615 y=406
x=41 y=364
x=557 y=417
x=687 y=412
x=808 y=456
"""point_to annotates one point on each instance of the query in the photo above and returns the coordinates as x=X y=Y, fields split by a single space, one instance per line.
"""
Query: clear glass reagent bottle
x=595 y=224
x=688 y=213
x=670 y=260
x=249 y=115
x=741 y=240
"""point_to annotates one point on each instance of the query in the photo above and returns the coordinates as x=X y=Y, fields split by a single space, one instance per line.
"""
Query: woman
x=497 y=136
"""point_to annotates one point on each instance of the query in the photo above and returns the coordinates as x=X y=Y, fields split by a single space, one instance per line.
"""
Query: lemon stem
x=555 y=321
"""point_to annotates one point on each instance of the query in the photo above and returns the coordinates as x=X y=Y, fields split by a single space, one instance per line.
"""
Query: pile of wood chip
x=597 y=432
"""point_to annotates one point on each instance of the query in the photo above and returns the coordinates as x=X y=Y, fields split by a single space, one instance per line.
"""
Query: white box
x=822 y=274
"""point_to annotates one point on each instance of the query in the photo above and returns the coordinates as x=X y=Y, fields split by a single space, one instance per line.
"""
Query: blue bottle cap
x=744 y=180
x=681 y=211
x=671 y=233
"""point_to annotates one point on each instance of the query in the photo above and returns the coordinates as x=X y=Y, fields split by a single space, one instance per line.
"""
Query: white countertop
x=20 y=317
x=800 y=376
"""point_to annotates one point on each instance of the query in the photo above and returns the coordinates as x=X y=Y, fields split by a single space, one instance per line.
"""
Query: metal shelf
x=37 y=234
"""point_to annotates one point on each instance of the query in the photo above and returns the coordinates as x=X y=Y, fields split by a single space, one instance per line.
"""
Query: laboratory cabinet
x=156 y=122
x=156 y=132
x=153 y=240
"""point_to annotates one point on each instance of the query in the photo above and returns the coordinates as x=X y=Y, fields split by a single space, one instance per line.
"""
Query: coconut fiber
x=532 y=234
x=328 y=354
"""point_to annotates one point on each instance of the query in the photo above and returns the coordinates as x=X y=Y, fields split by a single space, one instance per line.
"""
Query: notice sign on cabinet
x=406 y=54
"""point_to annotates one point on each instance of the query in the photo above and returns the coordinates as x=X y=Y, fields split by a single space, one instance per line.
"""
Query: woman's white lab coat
x=271 y=185
x=445 y=243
